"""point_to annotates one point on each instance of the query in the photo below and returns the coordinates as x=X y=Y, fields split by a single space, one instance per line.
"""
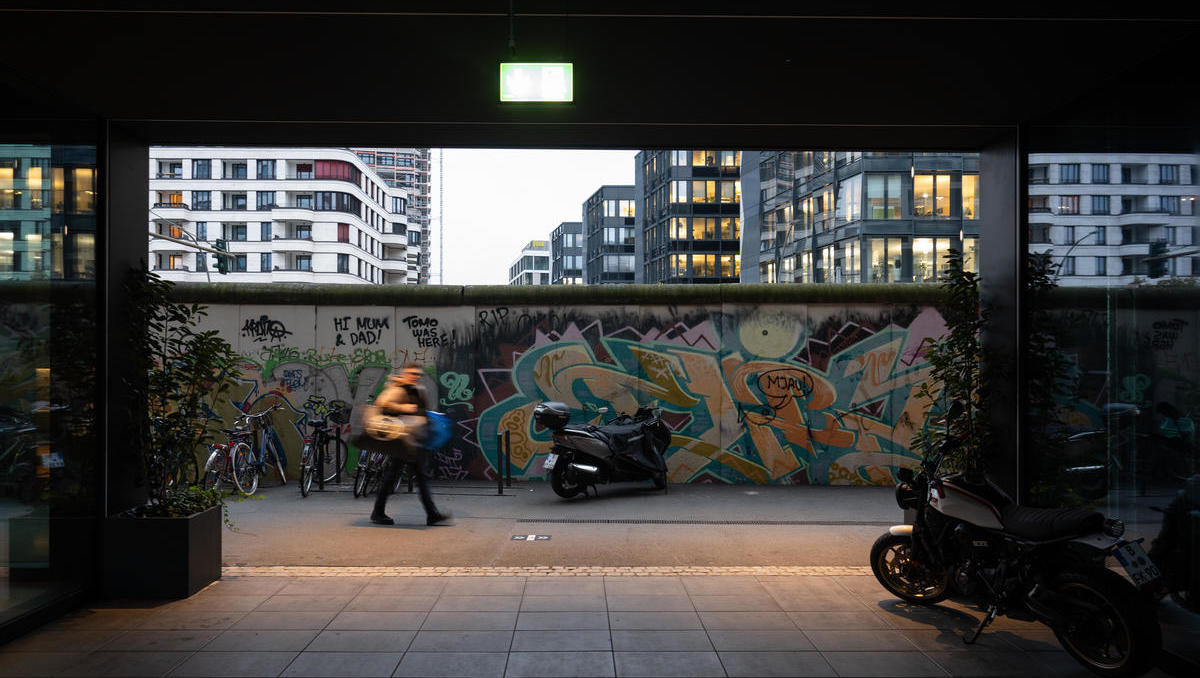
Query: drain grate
x=651 y=521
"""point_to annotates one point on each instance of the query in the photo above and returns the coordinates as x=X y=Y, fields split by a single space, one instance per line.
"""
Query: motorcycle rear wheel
x=891 y=561
x=561 y=485
x=1118 y=635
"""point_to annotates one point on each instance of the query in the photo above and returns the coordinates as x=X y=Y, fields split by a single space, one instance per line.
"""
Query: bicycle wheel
x=306 y=479
x=278 y=464
x=334 y=452
x=187 y=473
x=379 y=470
x=212 y=471
x=245 y=473
x=361 y=473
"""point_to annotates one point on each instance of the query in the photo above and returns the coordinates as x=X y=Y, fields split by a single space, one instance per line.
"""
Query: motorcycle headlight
x=1114 y=527
x=906 y=496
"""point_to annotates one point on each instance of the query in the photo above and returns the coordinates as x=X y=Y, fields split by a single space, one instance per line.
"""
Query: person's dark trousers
x=392 y=474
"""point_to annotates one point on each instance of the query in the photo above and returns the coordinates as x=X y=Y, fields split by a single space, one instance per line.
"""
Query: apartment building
x=407 y=168
x=689 y=216
x=304 y=215
x=860 y=217
x=1115 y=219
x=609 y=231
x=532 y=266
x=567 y=254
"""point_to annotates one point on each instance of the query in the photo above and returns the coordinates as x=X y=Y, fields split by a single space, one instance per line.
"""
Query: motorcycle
x=628 y=448
x=1176 y=549
x=1044 y=565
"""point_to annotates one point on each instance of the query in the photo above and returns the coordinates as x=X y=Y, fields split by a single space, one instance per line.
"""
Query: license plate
x=551 y=460
x=1137 y=564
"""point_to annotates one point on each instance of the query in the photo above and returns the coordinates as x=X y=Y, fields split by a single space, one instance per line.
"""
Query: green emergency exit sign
x=536 y=82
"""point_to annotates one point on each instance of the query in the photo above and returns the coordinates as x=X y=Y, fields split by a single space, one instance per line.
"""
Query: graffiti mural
x=817 y=394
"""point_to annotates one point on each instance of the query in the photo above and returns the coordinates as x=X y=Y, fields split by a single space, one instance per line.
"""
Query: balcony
x=171 y=205
x=168 y=175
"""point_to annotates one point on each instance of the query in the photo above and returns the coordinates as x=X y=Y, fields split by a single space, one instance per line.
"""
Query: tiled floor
x=535 y=626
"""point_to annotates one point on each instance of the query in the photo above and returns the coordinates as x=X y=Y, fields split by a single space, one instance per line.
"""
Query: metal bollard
x=320 y=469
x=507 y=458
x=499 y=462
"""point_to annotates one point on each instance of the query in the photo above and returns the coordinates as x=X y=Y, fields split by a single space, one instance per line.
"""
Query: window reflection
x=47 y=371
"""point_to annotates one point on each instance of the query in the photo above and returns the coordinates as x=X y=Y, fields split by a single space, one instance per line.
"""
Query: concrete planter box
x=160 y=557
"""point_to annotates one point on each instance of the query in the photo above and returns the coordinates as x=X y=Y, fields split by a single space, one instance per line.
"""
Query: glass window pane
x=970 y=196
x=923 y=266
x=943 y=195
x=923 y=195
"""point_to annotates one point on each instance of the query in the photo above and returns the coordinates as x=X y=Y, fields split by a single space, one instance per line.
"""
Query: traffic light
x=222 y=260
x=1156 y=263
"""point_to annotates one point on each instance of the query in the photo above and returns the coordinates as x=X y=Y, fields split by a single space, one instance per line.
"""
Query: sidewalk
x=705 y=580
x=626 y=525
x=767 y=625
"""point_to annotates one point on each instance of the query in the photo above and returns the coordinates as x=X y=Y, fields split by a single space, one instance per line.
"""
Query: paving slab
x=361 y=641
x=348 y=664
x=771 y=664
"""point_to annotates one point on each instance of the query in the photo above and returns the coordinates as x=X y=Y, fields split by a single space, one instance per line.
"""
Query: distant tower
x=441 y=218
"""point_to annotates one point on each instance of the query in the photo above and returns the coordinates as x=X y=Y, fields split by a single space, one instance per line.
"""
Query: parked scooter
x=1031 y=564
x=628 y=448
x=1176 y=549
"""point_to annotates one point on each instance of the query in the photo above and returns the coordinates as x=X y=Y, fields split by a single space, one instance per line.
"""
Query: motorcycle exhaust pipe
x=585 y=468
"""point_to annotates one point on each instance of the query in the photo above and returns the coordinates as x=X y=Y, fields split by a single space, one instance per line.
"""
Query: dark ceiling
x=647 y=74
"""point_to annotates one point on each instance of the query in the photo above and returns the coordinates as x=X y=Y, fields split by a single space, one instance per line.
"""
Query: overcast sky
x=497 y=200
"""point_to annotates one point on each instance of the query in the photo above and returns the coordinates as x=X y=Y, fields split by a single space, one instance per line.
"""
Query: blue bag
x=437 y=433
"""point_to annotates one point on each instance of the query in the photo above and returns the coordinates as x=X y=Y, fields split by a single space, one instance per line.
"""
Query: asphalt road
x=626 y=525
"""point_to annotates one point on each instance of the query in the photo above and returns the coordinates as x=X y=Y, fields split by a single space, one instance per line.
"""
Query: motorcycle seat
x=1046 y=524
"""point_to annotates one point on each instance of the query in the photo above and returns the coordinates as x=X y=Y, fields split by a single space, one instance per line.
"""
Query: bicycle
x=327 y=452
x=372 y=466
x=229 y=462
x=266 y=448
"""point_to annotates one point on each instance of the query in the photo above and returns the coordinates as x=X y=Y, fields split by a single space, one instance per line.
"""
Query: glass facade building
x=689 y=219
x=862 y=217
x=609 y=227
x=567 y=254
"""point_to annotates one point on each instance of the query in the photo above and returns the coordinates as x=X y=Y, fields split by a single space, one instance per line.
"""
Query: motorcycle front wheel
x=561 y=485
x=1114 y=631
x=892 y=563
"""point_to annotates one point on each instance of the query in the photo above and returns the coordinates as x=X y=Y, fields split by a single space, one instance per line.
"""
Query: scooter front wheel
x=660 y=481
x=563 y=486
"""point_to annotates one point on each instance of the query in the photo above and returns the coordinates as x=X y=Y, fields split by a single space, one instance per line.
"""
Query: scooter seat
x=1046 y=524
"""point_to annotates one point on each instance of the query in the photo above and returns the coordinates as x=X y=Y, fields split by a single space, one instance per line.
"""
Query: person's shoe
x=438 y=518
x=381 y=519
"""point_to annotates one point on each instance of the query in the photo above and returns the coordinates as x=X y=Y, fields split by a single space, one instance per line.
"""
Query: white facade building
x=533 y=266
x=407 y=168
x=311 y=215
x=1110 y=218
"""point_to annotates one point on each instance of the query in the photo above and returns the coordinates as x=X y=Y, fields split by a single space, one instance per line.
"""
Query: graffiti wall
x=788 y=394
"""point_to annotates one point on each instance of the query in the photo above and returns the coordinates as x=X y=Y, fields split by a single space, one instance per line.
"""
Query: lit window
x=970 y=196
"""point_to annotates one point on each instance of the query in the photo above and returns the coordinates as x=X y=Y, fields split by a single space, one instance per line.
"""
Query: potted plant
x=168 y=546
x=957 y=374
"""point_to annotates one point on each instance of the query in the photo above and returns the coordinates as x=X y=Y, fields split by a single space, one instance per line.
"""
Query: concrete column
x=1002 y=253
x=123 y=245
